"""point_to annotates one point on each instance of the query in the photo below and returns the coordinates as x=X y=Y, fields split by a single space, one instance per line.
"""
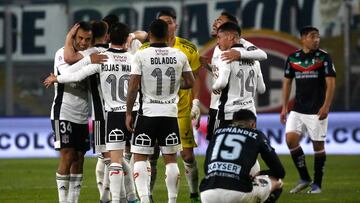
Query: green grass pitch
x=33 y=180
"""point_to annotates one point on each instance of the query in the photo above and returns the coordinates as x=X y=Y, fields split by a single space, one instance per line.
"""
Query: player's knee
x=292 y=140
x=188 y=156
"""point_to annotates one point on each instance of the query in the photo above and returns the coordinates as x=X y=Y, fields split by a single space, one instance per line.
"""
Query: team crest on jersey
x=263 y=182
x=65 y=139
x=116 y=135
x=143 y=140
x=172 y=139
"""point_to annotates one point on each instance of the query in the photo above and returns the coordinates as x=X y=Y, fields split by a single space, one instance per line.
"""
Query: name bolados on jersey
x=239 y=81
x=114 y=78
x=193 y=56
x=161 y=69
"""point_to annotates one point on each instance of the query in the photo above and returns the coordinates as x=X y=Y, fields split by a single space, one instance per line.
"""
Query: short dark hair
x=229 y=26
x=168 y=12
x=159 y=29
x=230 y=17
x=86 y=26
x=111 y=19
x=307 y=29
x=99 y=28
x=119 y=33
x=244 y=115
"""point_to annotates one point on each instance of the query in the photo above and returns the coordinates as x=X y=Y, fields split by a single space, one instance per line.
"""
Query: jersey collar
x=116 y=50
x=102 y=45
x=158 y=45
x=237 y=45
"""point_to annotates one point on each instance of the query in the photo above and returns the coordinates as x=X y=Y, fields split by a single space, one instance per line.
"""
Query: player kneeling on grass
x=230 y=155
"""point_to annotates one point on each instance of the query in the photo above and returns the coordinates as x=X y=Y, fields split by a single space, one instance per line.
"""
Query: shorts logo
x=143 y=140
x=172 y=139
x=65 y=139
x=116 y=135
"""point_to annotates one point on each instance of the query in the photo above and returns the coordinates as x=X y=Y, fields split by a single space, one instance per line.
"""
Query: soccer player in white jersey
x=157 y=70
x=101 y=43
x=69 y=118
x=239 y=80
x=249 y=51
x=114 y=76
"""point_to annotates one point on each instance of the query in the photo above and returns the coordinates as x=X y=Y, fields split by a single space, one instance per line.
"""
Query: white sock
x=172 y=179
x=106 y=183
x=99 y=172
x=127 y=156
x=192 y=176
x=74 y=187
x=141 y=177
x=62 y=182
x=129 y=182
x=255 y=169
x=116 y=176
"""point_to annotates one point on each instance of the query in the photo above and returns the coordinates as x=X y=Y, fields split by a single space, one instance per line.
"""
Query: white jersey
x=238 y=81
x=161 y=68
x=98 y=111
x=70 y=100
x=134 y=46
x=114 y=77
x=249 y=51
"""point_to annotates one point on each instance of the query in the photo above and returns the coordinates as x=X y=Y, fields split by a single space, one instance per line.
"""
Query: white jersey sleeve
x=250 y=51
x=74 y=67
x=224 y=73
x=79 y=74
x=261 y=88
x=134 y=46
x=136 y=64
x=186 y=67
x=89 y=51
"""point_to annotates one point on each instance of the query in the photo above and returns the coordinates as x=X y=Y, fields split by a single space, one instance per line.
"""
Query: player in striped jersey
x=157 y=70
x=188 y=106
x=239 y=80
x=249 y=51
x=69 y=117
x=114 y=75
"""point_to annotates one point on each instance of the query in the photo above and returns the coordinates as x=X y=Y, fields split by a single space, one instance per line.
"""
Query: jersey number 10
x=122 y=89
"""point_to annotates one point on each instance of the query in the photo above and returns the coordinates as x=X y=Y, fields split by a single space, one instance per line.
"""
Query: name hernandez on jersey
x=239 y=81
x=161 y=68
x=230 y=156
x=114 y=78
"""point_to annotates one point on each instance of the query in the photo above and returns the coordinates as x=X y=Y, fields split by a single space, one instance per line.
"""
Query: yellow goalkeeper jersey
x=191 y=52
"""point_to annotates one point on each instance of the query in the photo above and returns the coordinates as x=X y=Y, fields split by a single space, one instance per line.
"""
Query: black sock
x=274 y=195
x=194 y=195
x=298 y=157
x=319 y=163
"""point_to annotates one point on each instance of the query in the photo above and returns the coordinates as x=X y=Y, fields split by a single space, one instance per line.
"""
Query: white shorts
x=310 y=123
x=261 y=191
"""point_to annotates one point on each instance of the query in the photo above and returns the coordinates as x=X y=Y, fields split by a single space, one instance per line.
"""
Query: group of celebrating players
x=144 y=96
